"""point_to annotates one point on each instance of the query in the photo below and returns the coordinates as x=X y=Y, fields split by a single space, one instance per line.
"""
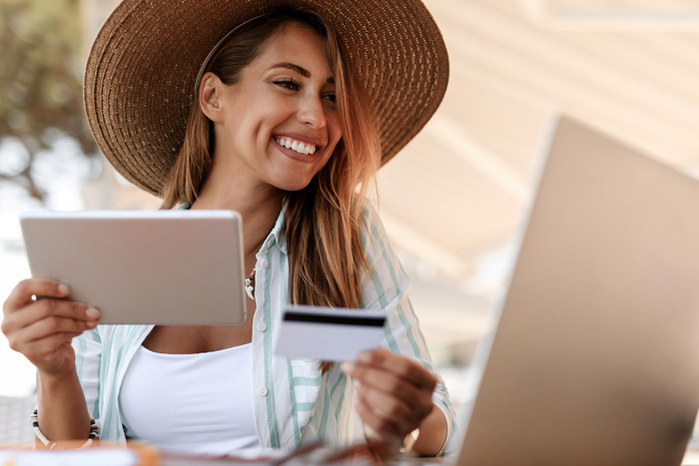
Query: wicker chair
x=14 y=419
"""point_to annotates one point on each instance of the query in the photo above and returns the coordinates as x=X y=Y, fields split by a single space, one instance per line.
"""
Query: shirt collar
x=277 y=234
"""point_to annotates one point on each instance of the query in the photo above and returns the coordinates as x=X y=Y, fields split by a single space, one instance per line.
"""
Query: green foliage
x=40 y=78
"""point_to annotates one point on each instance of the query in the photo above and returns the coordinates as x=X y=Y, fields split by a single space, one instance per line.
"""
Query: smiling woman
x=273 y=88
x=269 y=69
x=278 y=100
x=288 y=119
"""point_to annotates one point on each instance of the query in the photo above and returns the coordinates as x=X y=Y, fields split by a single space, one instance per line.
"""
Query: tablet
x=167 y=267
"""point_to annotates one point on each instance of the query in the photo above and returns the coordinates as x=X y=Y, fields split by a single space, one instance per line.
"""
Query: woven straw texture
x=140 y=74
x=15 y=426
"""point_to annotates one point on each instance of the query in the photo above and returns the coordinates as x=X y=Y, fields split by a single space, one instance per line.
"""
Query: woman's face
x=279 y=123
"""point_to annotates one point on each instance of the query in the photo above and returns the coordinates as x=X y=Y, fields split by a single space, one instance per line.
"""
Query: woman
x=281 y=130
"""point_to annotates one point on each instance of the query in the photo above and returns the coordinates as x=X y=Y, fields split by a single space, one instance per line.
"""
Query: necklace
x=249 y=286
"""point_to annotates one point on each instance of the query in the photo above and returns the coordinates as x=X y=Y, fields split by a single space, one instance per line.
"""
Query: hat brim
x=140 y=74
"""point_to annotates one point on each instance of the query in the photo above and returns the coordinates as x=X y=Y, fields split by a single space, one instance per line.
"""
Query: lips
x=292 y=154
x=306 y=139
x=305 y=148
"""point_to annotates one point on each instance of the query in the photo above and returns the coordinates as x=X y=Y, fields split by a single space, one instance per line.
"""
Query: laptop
x=595 y=356
x=166 y=267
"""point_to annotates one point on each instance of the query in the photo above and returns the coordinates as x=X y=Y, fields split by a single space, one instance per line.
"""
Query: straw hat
x=141 y=72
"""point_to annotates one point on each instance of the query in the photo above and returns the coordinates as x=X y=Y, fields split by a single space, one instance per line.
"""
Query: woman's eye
x=293 y=85
x=330 y=97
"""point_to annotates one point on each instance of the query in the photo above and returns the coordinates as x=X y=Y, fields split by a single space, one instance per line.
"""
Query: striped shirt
x=294 y=402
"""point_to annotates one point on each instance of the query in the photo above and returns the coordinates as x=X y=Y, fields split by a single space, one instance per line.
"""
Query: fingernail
x=91 y=323
x=92 y=313
x=63 y=289
x=347 y=366
x=364 y=356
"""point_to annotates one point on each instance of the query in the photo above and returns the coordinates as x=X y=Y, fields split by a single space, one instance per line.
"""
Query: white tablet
x=167 y=267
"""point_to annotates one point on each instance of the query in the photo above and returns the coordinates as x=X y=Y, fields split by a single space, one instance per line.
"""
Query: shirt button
x=261 y=326
x=264 y=263
x=262 y=391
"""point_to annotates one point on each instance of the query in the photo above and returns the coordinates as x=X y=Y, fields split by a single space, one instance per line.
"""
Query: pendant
x=249 y=289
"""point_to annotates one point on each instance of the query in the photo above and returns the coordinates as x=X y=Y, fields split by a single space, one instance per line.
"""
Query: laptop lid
x=595 y=358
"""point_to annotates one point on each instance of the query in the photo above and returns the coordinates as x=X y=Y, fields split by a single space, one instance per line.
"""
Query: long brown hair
x=323 y=221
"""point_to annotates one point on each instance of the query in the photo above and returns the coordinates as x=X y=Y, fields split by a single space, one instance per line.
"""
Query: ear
x=210 y=96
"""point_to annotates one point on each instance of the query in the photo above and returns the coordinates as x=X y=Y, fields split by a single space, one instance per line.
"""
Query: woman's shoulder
x=370 y=222
x=372 y=231
x=384 y=280
x=381 y=257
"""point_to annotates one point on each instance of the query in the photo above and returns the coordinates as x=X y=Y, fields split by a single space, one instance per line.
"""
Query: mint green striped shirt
x=293 y=401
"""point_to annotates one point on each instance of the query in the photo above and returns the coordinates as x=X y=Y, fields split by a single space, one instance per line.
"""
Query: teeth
x=300 y=147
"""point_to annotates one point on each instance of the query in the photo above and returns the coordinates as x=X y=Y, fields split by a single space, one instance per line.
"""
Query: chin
x=293 y=184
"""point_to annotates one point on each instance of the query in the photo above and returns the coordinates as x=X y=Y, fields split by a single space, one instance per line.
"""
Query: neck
x=257 y=203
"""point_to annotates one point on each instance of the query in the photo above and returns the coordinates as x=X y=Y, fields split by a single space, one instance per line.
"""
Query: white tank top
x=198 y=403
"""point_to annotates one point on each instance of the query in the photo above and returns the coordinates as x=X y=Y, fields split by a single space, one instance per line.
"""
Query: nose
x=311 y=113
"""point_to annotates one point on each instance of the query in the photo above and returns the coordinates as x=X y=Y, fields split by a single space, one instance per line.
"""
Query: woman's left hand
x=394 y=393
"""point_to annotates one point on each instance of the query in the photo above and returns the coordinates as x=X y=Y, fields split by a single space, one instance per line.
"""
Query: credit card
x=328 y=334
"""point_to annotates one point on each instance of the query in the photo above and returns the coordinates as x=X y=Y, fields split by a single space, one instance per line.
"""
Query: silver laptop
x=595 y=358
x=178 y=267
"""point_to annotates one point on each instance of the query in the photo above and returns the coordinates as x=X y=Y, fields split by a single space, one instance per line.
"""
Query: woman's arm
x=433 y=434
x=79 y=388
x=40 y=323
x=386 y=287
x=62 y=410
x=394 y=397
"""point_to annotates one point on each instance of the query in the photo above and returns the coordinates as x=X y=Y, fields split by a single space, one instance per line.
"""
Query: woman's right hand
x=42 y=329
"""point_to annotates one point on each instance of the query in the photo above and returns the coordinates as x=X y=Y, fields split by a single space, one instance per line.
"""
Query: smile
x=294 y=154
x=297 y=146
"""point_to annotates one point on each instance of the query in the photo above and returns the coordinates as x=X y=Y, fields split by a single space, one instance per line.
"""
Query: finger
x=411 y=370
x=385 y=381
x=46 y=345
x=385 y=428
x=22 y=294
x=51 y=325
x=50 y=307
x=420 y=400
x=388 y=407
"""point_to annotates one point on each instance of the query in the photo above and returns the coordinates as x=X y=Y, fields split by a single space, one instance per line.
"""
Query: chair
x=15 y=426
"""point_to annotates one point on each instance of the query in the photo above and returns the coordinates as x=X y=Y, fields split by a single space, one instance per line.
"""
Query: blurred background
x=449 y=201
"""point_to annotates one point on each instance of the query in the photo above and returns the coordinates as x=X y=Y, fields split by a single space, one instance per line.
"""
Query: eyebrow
x=302 y=71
